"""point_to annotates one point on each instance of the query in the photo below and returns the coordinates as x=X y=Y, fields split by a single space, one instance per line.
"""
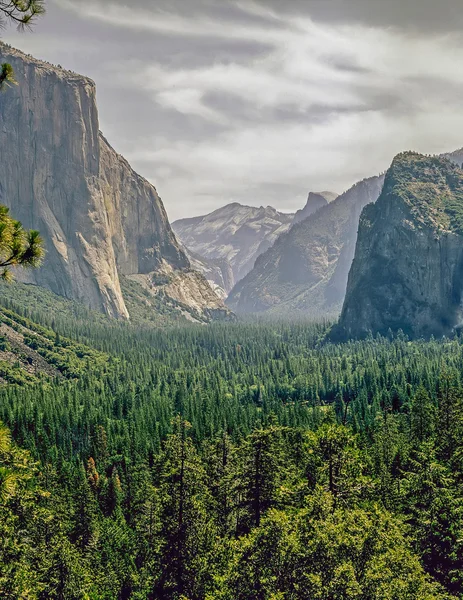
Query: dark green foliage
x=234 y=461
x=18 y=247
x=6 y=76
x=433 y=187
x=21 y=12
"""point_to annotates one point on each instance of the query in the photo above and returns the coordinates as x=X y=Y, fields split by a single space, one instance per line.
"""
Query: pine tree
x=187 y=528
x=21 y=12
x=18 y=247
x=259 y=475
x=422 y=415
x=450 y=417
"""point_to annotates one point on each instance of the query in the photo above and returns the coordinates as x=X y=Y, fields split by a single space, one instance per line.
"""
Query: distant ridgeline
x=305 y=271
x=226 y=242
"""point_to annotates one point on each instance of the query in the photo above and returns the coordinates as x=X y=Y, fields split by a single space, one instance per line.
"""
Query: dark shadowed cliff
x=408 y=267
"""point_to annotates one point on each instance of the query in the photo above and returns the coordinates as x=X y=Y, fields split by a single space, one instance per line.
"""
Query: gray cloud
x=413 y=15
x=260 y=101
x=418 y=15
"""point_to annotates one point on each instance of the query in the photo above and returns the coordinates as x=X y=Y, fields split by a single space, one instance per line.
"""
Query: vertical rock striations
x=58 y=174
x=408 y=267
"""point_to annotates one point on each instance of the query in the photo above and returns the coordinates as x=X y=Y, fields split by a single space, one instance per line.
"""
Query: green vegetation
x=23 y=14
x=234 y=461
x=148 y=309
x=432 y=186
x=30 y=353
x=18 y=247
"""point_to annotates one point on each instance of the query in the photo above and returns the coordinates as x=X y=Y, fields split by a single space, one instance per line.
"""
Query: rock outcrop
x=233 y=237
x=315 y=201
x=58 y=174
x=408 y=267
x=305 y=272
x=218 y=273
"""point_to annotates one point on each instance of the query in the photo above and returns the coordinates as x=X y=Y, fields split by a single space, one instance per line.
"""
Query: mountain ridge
x=234 y=234
x=315 y=201
x=305 y=272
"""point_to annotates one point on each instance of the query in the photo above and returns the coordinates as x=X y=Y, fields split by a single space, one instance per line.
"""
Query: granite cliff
x=217 y=272
x=100 y=220
x=408 y=267
x=305 y=271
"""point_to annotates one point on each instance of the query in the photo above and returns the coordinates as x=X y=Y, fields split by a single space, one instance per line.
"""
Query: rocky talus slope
x=408 y=267
x=305 y=272
x=99 y=218
x=218 y=273
x=231 y=238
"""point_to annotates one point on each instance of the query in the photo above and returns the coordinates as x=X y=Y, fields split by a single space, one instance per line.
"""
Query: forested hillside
x=231 y=461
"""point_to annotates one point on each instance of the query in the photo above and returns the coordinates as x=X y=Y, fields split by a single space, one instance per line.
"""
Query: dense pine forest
x=233 y=461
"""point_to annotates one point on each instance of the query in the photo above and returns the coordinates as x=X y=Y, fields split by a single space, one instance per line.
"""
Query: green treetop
x=18 y=247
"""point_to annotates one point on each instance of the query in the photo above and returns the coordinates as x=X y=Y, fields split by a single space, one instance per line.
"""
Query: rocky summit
x=408 y=268
x=232 y=237
x=315 y=201
x=100 y=220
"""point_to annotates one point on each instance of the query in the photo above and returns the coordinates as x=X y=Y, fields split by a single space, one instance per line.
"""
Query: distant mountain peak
x=315 y=201
x=234 y=234
x=305 y=271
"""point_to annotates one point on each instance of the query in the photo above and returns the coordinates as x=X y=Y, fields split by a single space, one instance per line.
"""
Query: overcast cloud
x=259 y=102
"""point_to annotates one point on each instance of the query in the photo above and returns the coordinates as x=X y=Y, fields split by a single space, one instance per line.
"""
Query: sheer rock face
x=232 y=237
x=305 y=272
x=140 y=231
x=59 y=175
x=408 y=267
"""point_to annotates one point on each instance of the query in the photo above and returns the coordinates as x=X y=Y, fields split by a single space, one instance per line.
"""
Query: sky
x=262 y=101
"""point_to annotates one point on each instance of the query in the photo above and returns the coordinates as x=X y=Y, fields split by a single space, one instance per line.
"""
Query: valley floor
x=234 y=461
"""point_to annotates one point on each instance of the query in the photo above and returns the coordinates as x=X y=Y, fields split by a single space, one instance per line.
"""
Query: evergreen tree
x=18 y=247
x=422 y=415
x=187 y=529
